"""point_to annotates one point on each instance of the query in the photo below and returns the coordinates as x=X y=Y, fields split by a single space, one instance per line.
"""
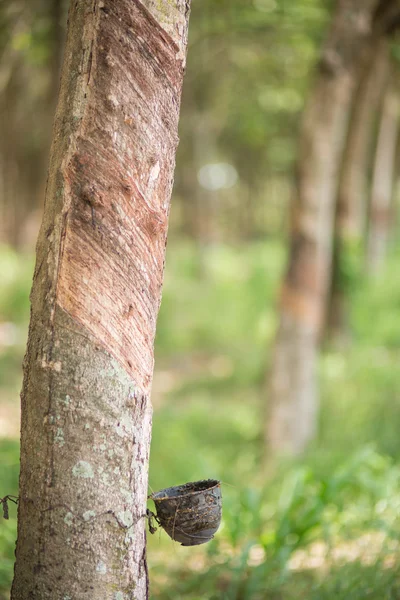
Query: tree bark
x=292 y=396
x=86 y=410
x=352 y=204
x=382 y=181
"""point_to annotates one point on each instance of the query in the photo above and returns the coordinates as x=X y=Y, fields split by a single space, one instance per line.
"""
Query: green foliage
x=16 y=276
x=340 y=502
x=348 y=486
x=266 y=530
x=9 y=453
x=362 y=381
x=236 y=313
x=349 y=268
x=246 y=111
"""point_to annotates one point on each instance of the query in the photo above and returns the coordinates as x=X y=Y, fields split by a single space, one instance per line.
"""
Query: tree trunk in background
x=14 y=195
x=86 y=410
x=56 y=47
x=353 y=184
x=205 y=200
x=27 y=111
x=382 y=181
x=196 y=211
x=292 y=396
x=351 y=206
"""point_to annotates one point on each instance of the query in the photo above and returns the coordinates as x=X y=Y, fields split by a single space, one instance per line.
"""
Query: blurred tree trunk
x=292 y=395
x=196 y=210
x=352 y=205
x=380 y=218
x=11 y=175
x=86 y=410
x=27 y=111
x=203 y=153
x=353 y=184
x=57 y=40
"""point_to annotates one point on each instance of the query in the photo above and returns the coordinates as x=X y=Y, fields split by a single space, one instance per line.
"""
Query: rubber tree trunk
x=353 y=184
x=86 y=410
x=352 y=198
x=382 y=181
x=292 y=394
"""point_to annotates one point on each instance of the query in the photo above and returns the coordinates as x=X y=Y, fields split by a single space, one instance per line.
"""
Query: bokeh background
x=323 y=524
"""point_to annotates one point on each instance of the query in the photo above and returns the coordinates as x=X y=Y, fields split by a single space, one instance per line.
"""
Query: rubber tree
x=353 y=189
x=380 y=210
x=292 y=394
x=353 y=183
x=86 y=409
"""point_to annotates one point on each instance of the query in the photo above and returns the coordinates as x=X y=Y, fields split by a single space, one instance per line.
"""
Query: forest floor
x=322 y=527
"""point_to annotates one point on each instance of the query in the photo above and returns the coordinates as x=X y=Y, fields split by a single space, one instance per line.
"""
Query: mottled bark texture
x=292 y=398
x=380 y=217
x=86 y=410
x=353 y=193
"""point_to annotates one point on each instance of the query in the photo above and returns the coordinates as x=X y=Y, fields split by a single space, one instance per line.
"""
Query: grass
x=322 y=527
x=9 y=469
